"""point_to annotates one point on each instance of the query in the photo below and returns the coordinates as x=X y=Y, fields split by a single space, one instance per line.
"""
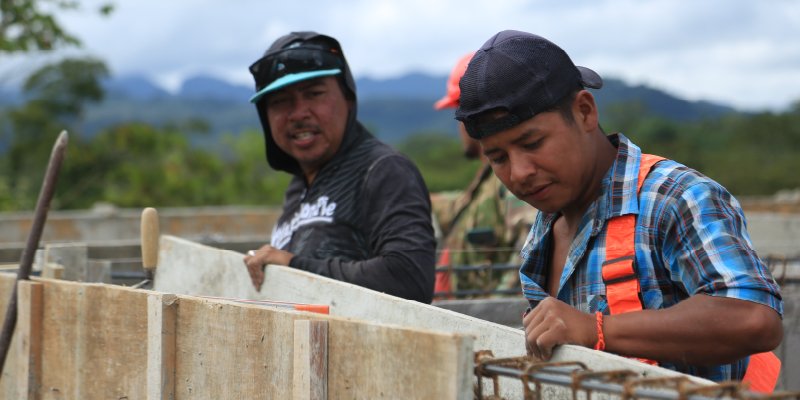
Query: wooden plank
x=236 y=350
x=232 y=350
x=73 y=256
x=161 y=335
x=375 y=361
x=98 y=271
x=29 y=339
x=59 y=338
x=8 y=380
x=92 y=347
x=53 y=271
x=94 y=341
x=310 y=380
x=186 y=267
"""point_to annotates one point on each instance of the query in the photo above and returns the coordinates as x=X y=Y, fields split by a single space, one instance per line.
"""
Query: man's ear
x=585 y=110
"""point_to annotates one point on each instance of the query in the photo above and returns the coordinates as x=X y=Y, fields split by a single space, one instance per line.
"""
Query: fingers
x=537 y=343
x=255 y=268
x=544 y=329
x=256 y=274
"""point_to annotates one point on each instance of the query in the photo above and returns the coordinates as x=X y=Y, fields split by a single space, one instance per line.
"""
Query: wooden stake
x=162 y=312
x=39 y=218
x=29 y=361
x=310 y=376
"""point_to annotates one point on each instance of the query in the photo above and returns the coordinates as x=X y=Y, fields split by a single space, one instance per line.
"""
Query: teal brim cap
x=290 y=79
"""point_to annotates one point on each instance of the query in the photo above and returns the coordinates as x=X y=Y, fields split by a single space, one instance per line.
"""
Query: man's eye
x=274 y=101
x=533 y=145
x=498 y=160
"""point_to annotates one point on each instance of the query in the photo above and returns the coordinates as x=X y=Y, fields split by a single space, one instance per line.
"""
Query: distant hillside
x=658 y=102
x=391 y=108
x=133 y=87
x=411 y=86
x=213 y=89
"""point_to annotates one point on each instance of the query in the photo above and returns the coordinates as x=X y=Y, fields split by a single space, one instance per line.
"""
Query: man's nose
x=522 y=168
x=299 y=109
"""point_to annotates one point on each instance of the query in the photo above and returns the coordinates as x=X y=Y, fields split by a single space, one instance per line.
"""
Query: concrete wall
x=107 y=223
x=774 y=233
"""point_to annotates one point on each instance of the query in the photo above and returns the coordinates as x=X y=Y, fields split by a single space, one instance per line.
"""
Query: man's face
x=545 y=161
x=308 y=120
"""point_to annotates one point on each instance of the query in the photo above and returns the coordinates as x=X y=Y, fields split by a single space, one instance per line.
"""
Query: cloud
x=739 y=52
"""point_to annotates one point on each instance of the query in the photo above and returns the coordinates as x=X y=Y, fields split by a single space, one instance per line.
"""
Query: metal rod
x=549 y=376
x=26 y=261
x=651 y=388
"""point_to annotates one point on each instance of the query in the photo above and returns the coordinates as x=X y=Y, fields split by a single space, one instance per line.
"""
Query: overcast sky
x=745 y=53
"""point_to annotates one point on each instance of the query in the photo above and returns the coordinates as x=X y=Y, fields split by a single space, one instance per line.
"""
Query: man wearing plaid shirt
x=706 y=301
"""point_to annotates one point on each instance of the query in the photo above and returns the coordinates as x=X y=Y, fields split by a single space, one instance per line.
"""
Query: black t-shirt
x=365 y=219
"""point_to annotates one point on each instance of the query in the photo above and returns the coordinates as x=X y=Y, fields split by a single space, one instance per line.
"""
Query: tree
x=441 y=160
x=30 y=25
x=58 y=94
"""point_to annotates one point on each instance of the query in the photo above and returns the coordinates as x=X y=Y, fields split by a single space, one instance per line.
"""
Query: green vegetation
x=135 y=164
x=750 y=154
x=441 y=160
x=32 y=24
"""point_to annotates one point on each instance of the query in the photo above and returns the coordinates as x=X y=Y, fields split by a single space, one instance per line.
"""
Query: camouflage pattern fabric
x=495 y=220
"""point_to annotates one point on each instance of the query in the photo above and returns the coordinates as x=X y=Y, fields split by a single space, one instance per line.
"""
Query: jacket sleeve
x=397 y=215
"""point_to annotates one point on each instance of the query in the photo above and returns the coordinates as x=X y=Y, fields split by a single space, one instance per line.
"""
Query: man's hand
x=554 y=322
x=255 y=260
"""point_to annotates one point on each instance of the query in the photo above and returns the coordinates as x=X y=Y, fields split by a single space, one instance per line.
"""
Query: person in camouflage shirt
x=483 y=225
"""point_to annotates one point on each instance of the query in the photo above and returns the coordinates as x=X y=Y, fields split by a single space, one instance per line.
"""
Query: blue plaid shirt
x=691 y=238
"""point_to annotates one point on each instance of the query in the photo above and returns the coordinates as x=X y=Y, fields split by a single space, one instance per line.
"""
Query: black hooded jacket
x=366 y=217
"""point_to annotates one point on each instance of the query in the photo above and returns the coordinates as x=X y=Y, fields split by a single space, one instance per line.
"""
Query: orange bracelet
x=601 y=340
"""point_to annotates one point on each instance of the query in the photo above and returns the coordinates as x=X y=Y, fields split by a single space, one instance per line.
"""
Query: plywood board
x=94 y=344
x=8 y=380
x=93 y=341
x=246 y=351
x=29 y=339
x=162 y=311
x=310 y=374
x=186 y=267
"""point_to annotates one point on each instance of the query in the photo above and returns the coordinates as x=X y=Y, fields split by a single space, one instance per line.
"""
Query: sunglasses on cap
x=296 y=59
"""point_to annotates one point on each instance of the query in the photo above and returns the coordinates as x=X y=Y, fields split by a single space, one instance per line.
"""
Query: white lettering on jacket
x=309 y=213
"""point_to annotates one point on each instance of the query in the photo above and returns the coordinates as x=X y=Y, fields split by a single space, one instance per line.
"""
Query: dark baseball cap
x=520 y=73
x=294 y=58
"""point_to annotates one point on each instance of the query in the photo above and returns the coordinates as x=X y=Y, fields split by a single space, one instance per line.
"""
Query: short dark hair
x=564 y=105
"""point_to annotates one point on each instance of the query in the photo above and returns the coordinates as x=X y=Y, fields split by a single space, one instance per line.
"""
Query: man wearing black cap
x=630 y=253
x=355 y=210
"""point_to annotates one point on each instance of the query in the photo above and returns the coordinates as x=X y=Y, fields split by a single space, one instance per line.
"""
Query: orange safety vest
x=443 y=284
x=623 y=292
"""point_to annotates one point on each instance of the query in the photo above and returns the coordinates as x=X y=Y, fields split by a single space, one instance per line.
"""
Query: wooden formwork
x=80 y=340
x=101 y=341
x=190 y=268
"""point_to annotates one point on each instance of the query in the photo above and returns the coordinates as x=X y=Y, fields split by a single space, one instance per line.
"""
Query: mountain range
x=391 y=108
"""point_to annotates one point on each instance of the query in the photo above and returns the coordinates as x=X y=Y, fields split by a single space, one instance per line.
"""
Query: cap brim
x=445 y=102
x=590 y=78
x=291 y=79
